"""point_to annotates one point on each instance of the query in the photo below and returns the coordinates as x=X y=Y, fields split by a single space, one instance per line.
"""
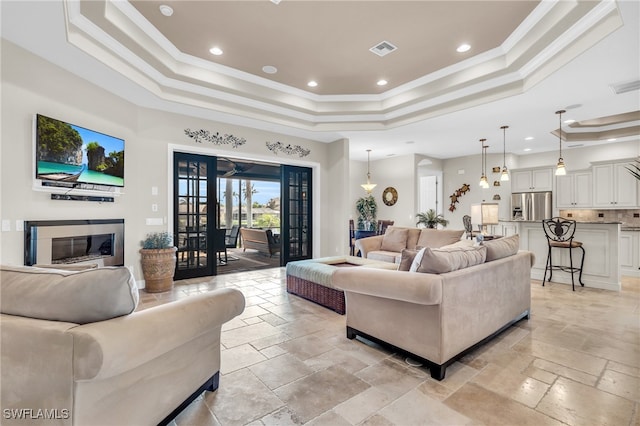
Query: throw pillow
x=71 y=296
x=435 y=238
x=417 y=260
x=502 y=247
x=395 y=239
x=406 y=259
x=440 y=261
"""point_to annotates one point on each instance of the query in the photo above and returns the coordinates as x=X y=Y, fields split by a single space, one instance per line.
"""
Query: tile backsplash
x=628 y=217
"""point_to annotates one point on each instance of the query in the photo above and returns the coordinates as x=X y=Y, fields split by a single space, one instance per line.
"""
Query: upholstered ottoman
x=312 y=279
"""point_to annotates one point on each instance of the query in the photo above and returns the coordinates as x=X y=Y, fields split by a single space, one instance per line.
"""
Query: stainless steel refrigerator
x=531 y=205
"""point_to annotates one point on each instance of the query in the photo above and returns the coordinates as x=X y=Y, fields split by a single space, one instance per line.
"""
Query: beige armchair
x=72 y=344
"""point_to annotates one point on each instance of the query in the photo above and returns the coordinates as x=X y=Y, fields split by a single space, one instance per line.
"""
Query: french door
x=194 y=201
x=296 y=202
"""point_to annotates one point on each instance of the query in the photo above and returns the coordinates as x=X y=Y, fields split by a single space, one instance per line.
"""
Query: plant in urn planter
x=158 y=259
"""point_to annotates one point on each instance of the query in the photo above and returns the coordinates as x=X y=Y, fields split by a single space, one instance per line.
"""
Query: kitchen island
x=601 y=244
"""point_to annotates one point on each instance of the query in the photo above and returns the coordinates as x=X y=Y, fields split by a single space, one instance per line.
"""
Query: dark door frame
x=313 y=166
x=200 y=239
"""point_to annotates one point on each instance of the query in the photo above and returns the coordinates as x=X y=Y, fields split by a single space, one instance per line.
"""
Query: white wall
x=397 y=172
x=31 y=85
x=467 y=170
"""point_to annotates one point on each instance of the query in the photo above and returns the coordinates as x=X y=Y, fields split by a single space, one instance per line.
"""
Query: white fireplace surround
x=40 y=236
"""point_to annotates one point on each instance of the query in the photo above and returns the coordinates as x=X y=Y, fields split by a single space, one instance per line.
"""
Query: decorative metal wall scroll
x=288 y=149
x=457 y=194
x=215 y=138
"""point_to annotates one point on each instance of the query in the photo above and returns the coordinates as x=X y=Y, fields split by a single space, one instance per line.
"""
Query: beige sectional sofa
x=74 y=352
x=388 y=247
x=459 y=296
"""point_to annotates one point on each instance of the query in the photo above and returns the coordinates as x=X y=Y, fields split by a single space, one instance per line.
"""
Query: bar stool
x=559 y=232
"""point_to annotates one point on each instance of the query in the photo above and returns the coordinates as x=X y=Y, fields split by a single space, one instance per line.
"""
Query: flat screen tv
x=68 y=155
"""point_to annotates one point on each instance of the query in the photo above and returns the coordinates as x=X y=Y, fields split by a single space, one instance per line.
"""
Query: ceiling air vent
x=619 y=88
x=383 y=48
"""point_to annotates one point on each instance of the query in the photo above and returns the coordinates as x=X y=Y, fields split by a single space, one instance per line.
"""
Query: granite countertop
x=630 y=228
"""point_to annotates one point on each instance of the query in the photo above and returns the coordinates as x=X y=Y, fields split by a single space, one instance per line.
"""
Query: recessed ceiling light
x=312 y=83
x=464 y=47
x=527 y=149
x=275 y=1
x=569 y=121
x=166 y=10
x=216 y=51
x=612 y=140
x=390 y=155
x=382 y=82
x=410 y=142
x=529 y=138
x=269 y=69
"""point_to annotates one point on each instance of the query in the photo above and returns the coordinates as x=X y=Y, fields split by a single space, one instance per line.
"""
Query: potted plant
x=634 y=169
x=367 y=209
x=430 y=219
x=158 y=260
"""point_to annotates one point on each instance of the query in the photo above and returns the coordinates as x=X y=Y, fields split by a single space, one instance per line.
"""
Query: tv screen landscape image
x=68 y=153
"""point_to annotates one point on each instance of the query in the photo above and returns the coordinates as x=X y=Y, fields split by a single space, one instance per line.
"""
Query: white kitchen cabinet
x=614 y=186
x=509 y=229
x=532 y=180
x=505 y=229
x=630 y=253
x=574 y=190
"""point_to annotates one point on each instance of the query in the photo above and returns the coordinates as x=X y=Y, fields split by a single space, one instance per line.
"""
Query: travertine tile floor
x=286 y=361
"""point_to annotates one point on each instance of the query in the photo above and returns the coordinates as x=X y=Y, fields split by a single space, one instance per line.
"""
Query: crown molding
x=115 y=33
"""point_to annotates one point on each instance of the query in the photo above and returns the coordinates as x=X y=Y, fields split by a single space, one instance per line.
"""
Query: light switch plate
x=154 y=221
x=19 y=225
x=6 y=225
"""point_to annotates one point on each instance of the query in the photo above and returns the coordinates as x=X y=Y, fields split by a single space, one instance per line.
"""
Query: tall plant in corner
x=634 y=169
x=367 y=209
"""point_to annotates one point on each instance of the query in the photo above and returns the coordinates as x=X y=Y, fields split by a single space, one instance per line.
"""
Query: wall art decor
x=457 y=194
x=288 y=149
x=215 y=138
x=389 y=196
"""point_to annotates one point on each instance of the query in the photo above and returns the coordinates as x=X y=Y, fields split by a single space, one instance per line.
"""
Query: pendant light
x=484 y=183
x=368 y=187
x=560 y=170
x=505 y=173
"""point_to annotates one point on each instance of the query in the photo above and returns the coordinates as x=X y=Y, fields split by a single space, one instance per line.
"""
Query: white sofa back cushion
x=72 y=296
x=502 y=247
x=395 y=239
x=447 y=259
x=435 y=238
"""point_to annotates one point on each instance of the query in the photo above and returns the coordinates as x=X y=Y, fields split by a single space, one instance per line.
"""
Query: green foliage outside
x=56 y=140
x=267 y=221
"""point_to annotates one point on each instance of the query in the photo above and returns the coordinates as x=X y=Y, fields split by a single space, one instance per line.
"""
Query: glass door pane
x=194 y=193
x=296 y=213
